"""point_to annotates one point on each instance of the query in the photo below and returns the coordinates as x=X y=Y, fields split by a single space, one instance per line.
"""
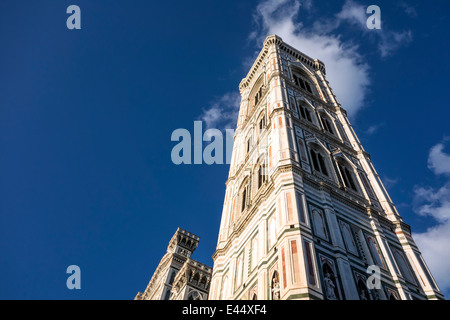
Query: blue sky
x=86 y=118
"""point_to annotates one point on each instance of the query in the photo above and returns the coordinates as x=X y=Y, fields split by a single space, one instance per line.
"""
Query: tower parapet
x=192 y=282
x=177 y=257
x=183 y=243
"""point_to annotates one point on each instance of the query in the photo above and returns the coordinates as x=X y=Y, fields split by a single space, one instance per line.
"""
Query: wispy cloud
x=392 y=41
x=434 y=246
x=435 y=203
x=389 y=182
x=408 y=9
x=223 y=112
x=352 y=13
x=374 y=128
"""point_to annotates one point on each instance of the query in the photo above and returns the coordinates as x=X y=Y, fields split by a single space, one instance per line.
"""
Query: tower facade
x=192 y=282
x=165 y=277
x=305 y=214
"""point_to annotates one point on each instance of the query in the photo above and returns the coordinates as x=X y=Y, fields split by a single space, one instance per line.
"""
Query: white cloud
x=374 y=128
x=222 y=112
x=409 y=9
x=388 y=41
x=435 y=242
x=434 y=245
x=438 y=161
x=353 y=13
x=392 y=41
x=434 y=202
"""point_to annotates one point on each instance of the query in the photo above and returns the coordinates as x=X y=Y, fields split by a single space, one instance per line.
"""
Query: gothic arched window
x=262 y=174
x=256 y=94
x=203 y=283
x=319 y=160
x=302 y=82
x=243 y=196
x=244 y=199
x=347 y=174
x=172 y=277
x=261 y=123
x=327 y=123
x=305 y=112
x=196 y=279
x=248 y=145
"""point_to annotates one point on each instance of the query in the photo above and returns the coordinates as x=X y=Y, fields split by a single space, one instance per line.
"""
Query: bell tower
x=305 y=214
x=179 y=251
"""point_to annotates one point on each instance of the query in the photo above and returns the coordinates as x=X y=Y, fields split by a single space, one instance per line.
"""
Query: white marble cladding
x=305 y=213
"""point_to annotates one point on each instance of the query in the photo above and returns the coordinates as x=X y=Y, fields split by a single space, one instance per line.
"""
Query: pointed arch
x=172 y=277
x=348 y=172
x=256 y=93
x=243 y=197
x=259 y=174
x=261 y=122
x=327 y=122
x=303 y=78
x=307 y=111
x=320 y=158
x=196 y=278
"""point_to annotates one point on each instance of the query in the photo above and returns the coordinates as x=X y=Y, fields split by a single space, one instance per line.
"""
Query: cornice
x=315 y=64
